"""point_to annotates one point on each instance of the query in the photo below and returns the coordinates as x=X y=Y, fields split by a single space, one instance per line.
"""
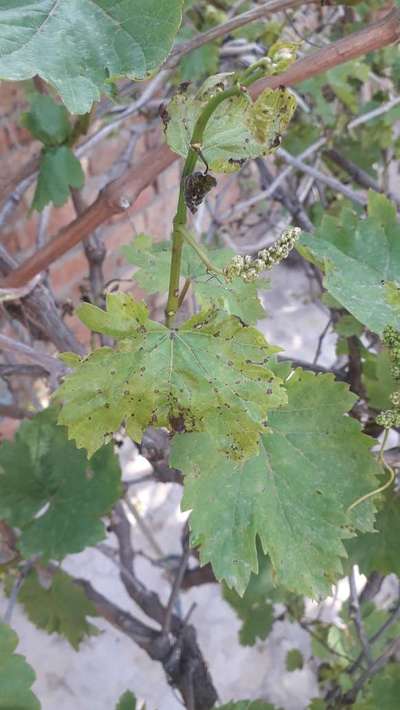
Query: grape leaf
x=255 y=608
x=293 y=495
x=47 y=121
x=16 y=676
x=341 y=82
x=127 y=701
x=79 y=46
x=239 y=129
x=383 y=691
x=61 y=609
x=380 y=551
x=209 y=374
x=378 y=379
x=154 y=260
x=294 y=660
x=361 y=260
x=50 y=492
x=58 y=171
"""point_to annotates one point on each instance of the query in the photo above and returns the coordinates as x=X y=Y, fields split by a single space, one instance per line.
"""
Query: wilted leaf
x=239 y=129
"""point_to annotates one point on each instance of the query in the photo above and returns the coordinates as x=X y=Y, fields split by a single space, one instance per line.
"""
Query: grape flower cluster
x=391 y=417
x=249 y=269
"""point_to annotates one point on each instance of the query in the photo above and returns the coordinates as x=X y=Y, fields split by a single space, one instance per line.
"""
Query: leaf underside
x=238 y=130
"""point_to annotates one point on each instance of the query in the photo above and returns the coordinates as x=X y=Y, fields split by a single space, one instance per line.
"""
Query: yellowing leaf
x=211 y=374
x=239 y=129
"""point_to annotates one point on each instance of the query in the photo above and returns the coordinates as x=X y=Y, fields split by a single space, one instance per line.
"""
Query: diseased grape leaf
x=239 y=128
x=58 y=171
x=47 y=121
x=361 y=260
x=50 y=491
x=313 y=464
x=380 y=551
x=154 y=260
x=63 y=608
x=79 y=46
x=16 y=676
x=210 y=374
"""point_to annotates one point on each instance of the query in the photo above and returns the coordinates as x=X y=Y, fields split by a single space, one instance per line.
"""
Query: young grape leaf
x=361 y=260
x=58 y=171
x=50 y=492
x=154 y=260
x=211 y=374
x=16 y=676
x=379 y=551
x=63 y=608
x=127 y=701
x=47 y=121
x=255 y=607
x=239 y=129
x=313 y=463
x=79 y=46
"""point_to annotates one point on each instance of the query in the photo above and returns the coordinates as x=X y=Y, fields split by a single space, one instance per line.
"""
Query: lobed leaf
x=211 y=374
x=47 y=121
x=313 y=463
x=361 y=260
x=63 y=608
x=80 y=46
x=50 y=492
x=16 y=676
x=58 y=171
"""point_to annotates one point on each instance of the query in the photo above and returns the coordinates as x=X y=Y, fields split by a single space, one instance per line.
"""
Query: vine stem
x=385 y=465
x=180 y=218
